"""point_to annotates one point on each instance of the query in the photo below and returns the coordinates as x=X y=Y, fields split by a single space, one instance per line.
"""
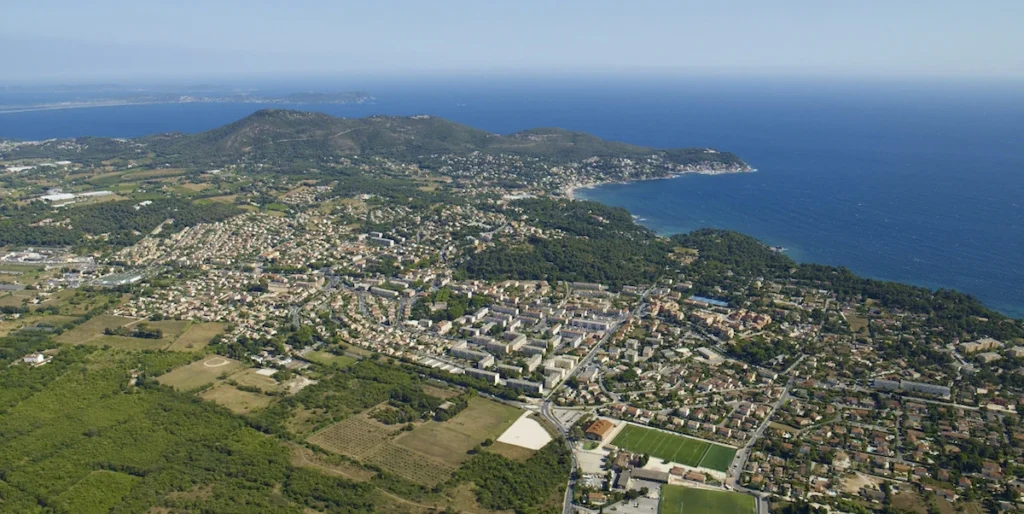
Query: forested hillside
x=285 y=135
x=122 y=222
x=600 y=244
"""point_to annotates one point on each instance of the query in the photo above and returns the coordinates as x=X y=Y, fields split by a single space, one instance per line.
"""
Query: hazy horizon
x=114 y=40
x=376 y=82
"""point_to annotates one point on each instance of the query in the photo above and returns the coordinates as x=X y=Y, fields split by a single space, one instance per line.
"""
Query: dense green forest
x=76 y=437
x=525 y=487
x=729 y=258
x=123 y=222
x=601 y=244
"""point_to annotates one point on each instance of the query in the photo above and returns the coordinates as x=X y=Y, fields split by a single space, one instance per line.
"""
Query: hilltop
x=275 y=131
x=280 y=135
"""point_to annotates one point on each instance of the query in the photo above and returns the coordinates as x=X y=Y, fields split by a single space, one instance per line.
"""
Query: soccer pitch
x=676 y=499
x=674 y=448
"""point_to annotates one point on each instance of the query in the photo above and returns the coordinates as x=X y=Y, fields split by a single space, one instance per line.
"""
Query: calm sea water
x=915 y=182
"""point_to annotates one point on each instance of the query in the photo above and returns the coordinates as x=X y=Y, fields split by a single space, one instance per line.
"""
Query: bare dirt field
x=253 y=378
x=527 y=433
x=199 y=373
x=438 y=392
x=854 y=482
x=235 y=400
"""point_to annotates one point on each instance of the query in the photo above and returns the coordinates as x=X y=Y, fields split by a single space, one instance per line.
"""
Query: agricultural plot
x=127 y=343
x=411 y=465
x=427 y=455
x=16 y=299
x=92 y=328
x=354 y=437
x=92 y=333
x=449 y=441
x=199 y=373
x=49 y=320
x=303 y=457
x=674 y=448
x=190 y=188
x=78 y=302
x=172 y=328
x=214 y=199
x=440 y=392
x=155 y=173
x=196 y=337
x=235 y=400
x=254 y=378
x=676 y=499
x=43 y=323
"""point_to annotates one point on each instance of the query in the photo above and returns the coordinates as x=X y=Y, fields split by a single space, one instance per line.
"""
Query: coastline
x=569 y=190
x=15 y=109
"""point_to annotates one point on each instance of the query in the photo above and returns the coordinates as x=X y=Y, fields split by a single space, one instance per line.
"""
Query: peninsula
x=142 y=97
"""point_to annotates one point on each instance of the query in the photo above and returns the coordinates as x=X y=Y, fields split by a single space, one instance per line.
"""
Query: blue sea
x=915 y=181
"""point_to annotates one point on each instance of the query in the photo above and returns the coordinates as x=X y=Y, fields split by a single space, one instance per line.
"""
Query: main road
x=545 y=407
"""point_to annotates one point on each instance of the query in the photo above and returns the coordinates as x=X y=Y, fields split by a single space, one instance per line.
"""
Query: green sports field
x=674 y=448
x=676 y=499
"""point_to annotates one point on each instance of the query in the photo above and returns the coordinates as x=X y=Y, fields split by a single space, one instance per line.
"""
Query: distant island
x=107 y=98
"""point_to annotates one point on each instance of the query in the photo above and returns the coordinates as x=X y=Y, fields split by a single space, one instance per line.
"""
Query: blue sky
x=151 y=39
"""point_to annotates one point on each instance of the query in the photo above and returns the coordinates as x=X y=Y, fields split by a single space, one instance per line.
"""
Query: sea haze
x=915 y=182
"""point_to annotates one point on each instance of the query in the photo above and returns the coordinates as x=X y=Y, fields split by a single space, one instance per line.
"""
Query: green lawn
x=718 y=457
x=676 y=499
x=328 y=358
x=674 y=448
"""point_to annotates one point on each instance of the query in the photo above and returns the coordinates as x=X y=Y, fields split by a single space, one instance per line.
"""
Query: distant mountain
x=101 y=98
x=281 y=137
x=272 y=133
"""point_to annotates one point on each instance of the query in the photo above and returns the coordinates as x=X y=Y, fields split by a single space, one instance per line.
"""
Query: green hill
x=273 y=134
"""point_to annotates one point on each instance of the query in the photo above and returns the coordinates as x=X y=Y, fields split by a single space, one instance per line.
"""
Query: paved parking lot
x=567 y=417
x=643 y=505
x=591 y=462
x=638 y=506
